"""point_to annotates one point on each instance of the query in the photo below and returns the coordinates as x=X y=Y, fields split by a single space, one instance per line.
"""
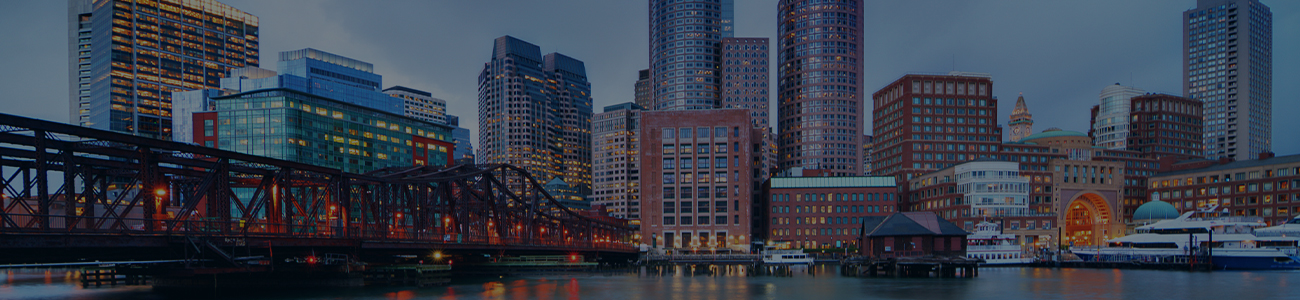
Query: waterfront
x=822 y=283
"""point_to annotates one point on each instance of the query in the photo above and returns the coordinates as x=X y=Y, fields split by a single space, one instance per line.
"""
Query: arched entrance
x=1087 y=220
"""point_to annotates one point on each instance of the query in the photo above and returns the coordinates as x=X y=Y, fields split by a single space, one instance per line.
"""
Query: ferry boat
x=1229 y=242
x=771 y=255
x=994 y=247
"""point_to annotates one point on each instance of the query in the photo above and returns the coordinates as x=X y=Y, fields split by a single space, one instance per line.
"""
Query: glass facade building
x=1228 y=65
x=127 y=56
x=292 y=125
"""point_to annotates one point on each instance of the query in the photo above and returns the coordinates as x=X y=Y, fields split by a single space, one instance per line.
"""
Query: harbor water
x=720 y=282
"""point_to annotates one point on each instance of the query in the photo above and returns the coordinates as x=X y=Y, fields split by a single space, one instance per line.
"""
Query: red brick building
x=923 y=123
x=1267 y=187
x=1164 y=125
x=699 y=174
x=823 y=212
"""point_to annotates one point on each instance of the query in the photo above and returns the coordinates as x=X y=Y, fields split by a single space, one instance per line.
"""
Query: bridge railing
x=244 y=229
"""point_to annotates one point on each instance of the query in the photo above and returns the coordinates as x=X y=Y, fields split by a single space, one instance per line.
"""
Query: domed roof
x=1155 y=210
x=1053 y=132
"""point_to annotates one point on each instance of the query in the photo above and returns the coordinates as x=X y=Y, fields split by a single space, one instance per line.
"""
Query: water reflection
x=706 y=282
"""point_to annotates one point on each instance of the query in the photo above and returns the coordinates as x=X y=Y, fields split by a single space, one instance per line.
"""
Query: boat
x=994 y=247
x=771 y=255
x=1208 y=236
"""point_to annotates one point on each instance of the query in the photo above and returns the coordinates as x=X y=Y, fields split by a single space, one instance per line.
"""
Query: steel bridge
x=72 y=192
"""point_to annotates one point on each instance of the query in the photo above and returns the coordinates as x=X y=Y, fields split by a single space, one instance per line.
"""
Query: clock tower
x=1021 y=123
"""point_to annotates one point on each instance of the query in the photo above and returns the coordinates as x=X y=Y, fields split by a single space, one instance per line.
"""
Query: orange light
x=160 y=192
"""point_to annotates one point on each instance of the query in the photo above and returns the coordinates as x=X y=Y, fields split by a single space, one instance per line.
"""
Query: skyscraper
x=1228 y=65
x=643 y=95
x=1021 y=122
x=616 y=176
x=126 y=57
x=1110 y=124
x=744 y=77
x=685 y=37
x=820 y=85
x=535 y=113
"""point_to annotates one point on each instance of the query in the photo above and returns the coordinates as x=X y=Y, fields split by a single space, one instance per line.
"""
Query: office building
x=823 y=212
x=644 y=95
x=420 y=104
x=868 y=144
x=127 y=57
x=699 y=179
x=820 y=91
x=461 y=137
x=616 y=172
x=1110 y=118
x=744 y=79
x=1228 y=66
x=535 y=113
x=923 y=123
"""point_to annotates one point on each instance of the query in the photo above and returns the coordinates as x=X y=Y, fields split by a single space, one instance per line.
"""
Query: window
x=669 y=163
x=669 y=132
x=670 y=193
x=670 y=178
x=720 y=148
x=672 y=221
x=670 y=149
x=686 y=163
x=703 y=220
x=685 y=133
x=703 y=194
x=720 y=220
x=702 y=148
x=719 y=132
x=703 y=132
x=670 y=207
x=720 y=162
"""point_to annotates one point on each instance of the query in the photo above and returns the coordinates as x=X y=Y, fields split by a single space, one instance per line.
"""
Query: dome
x=1155 y=210
x=1053 y=132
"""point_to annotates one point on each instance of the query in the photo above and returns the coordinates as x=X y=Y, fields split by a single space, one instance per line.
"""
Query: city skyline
x=992 y=38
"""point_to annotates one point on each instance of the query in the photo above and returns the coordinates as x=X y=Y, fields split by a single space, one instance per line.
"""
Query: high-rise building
x=1164 y=125
x=420 y=104
x=1021 y=122
x=1110 y=123
x=461 y=137
x=685 y=36
x=127 y=57
x=699 y=179
x=744 y=77
x=644 y=95
x=616 y=175
x=868 y=143
x=923 y=123
x=535 y=113
x=1228 y=65
x=820 y=92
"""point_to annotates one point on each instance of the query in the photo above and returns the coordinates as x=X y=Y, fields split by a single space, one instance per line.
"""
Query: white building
x=993 y=188
x=1110 y=126
x=420 y=104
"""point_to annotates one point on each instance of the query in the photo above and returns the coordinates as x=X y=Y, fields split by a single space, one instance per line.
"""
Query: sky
x=1059 y=54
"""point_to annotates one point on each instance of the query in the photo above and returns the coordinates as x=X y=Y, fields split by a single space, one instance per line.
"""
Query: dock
x=912 y=267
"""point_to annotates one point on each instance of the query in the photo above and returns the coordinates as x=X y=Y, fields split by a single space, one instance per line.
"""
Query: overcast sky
x=1060 y=54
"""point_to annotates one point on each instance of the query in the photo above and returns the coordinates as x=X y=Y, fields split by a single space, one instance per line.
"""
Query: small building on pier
x=911 y=234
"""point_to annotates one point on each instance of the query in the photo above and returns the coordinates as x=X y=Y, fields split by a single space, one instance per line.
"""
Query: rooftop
x=910 y=223
x=833 y=182
x=1294 y=158
x=1052 y=132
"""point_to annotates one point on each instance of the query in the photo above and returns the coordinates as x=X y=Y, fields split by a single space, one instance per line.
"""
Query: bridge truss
x=70 y=186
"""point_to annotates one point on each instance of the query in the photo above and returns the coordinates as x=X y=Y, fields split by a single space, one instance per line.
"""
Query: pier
x=914 y=267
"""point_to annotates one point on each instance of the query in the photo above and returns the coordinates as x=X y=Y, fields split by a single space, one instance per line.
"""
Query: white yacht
x=1229 y=242
x=994 y=247
x=771 y=255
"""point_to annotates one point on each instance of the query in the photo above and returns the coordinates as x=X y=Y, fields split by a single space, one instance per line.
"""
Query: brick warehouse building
x=1267 y=187
x=1162 y=125
x=700 y=170
x=823 y=212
